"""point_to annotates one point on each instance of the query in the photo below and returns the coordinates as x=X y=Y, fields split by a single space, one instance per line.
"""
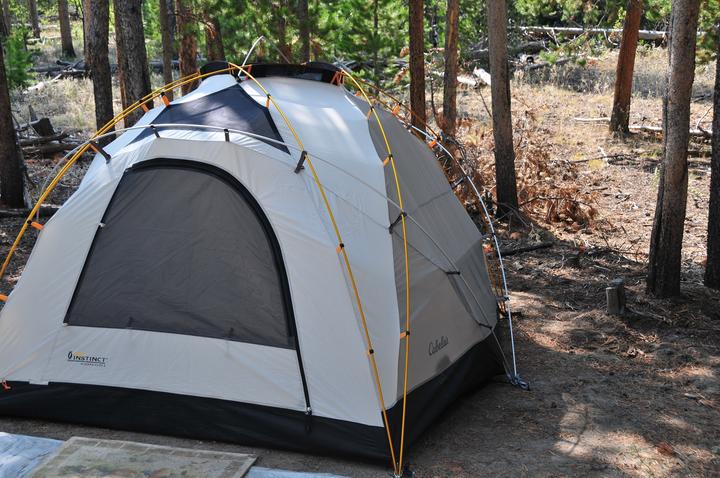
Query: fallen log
x=695 y=132
x=43 y=139
x=652 y=35
x=47 y=149
x=46 y=210
x=533 y=247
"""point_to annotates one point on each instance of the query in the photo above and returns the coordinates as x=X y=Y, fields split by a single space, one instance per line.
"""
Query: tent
x=269 y=260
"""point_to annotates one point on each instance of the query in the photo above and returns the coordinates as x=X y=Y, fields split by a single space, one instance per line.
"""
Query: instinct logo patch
x=86 y=359
x=438 y=344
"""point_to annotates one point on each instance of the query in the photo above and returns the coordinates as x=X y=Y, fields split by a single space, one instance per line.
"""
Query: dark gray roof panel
x=231 y=108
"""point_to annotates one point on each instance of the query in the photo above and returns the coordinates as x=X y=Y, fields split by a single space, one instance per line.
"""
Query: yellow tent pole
x=346 y=259
x=406 y=333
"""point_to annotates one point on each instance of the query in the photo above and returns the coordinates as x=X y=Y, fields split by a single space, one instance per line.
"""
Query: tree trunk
x=87 y=20
x=304 y=30
x=667 y=234
x=99 y=63
x=187 y=30
x=65 y=32
x=712 y=271
x=34 y=20
x=417 y=63
x=506 y=187
x=167 y=45
x=280 y=20
x=213 y=38
x=11 y=176
x=376 y=42
x=451 y=68
x=132 y=62
x=620 y=118
x=6 y=20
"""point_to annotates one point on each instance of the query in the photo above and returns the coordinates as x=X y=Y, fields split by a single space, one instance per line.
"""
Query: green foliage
x=17 y=59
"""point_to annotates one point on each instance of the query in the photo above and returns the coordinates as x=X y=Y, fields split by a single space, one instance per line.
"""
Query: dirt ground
x=637 y=395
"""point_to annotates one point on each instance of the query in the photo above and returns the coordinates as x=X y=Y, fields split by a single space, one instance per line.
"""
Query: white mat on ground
x=21 y=454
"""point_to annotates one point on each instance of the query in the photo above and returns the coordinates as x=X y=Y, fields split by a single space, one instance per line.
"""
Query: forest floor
x=637 y=395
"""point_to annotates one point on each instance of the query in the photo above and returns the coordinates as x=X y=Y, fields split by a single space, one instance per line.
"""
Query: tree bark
x=65 y=32
x=304 y=30
x=620 y=118
x=451 y=68
x=213 y=38
x=417 y=63
x=506 y=186
x=132 y=57
x=712 y=270
x=11 y=176
x=99 y=63
x=87 y=20
x=7 y=21
x=668 y=227
x=280 y=20
x=34 y=20
x=167 y=45
x=187 y=30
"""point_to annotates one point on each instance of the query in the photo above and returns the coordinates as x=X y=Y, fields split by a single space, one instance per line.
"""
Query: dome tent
x=269 y=260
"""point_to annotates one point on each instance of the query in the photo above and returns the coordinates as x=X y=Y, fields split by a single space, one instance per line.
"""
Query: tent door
x=185 y=248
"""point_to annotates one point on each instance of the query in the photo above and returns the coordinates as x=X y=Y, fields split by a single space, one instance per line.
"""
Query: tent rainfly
x=268 y=260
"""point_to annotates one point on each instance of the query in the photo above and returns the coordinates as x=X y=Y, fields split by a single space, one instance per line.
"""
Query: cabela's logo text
x=435 y=346
x=86 y=359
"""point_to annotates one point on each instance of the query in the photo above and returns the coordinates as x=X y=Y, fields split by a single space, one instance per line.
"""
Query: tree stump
x=615 y=294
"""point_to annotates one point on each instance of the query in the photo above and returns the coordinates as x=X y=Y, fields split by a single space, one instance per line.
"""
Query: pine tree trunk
x=280 y=20
x=65 y=32
x=87 y=20
x=213 y=38
x=7 y=21
x=187 y=30
x=167 y=44
x=376 y=46
x=34 y=20
x=620 y=119
x=506 y=188
x=668 y=227
x=11 y=176
x=417 y=63
x=132 y=63
x=712 y=271
x=451 y=68
x=304 y=30
x=99 y=62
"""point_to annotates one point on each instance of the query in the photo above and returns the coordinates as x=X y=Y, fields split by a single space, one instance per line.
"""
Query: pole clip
x=301 y=162
x=459 y=181
x=99 y=149
x=227 y=135
x=400 y=217
x=154 y=130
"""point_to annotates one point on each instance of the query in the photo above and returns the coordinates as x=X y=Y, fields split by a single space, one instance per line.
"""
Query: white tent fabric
x=37 y=347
